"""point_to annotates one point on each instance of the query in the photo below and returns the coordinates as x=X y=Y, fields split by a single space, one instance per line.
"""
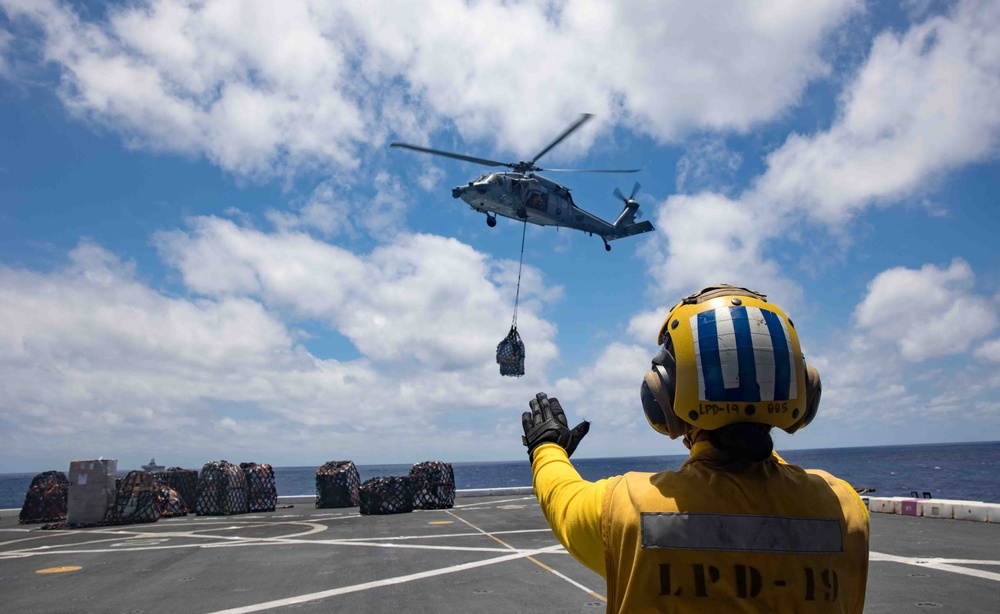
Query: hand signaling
x=546 y=423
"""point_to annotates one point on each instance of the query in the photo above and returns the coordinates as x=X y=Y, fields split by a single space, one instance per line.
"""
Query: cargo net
x=510 y=354
x=222 y=490
x=432 y=485
x=45 y=500
x=170 y=502
x=337 y=484
x=184 y=481
x=262 y=496
x=136 y=500
x=386 y=495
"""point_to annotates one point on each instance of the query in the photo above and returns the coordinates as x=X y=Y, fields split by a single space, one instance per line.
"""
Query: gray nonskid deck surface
x=488 y=554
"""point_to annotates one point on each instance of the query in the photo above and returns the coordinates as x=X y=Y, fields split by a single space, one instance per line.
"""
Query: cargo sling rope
x=510 y=351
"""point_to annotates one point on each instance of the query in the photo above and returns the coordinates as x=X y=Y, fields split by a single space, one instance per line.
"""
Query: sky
x=209 y=251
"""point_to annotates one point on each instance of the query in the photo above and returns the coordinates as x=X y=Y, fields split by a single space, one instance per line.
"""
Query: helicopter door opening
x=537 y=201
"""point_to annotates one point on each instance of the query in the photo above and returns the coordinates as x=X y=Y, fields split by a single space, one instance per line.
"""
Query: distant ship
x=152 y=466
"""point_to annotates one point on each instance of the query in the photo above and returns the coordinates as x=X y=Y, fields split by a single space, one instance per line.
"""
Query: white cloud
x=324 y=211
x=926 y=313
x=989 y=350
x=5 y=44
x=709 y=239
x=419 y=298
x=259 y=92
x=268 y=88
x=924 y=103
x=707 y=165
x=607 y=393
x=93 y=360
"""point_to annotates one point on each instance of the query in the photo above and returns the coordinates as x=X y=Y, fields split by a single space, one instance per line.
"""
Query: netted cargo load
x=510 y=354
x=262 y=496
x=45 y=500
x=170 y=502
x=222 y=490
x=184 y=481
x=386 y=495
x=337 y=484
x=432 y=485
x=137 y=500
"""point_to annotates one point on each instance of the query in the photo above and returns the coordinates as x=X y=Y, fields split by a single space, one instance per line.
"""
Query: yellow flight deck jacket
x=771 y=537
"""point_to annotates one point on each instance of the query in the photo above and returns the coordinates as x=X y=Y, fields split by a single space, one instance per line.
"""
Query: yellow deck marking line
x=535 y=561
x=279 y=603
x=442 y=522
x=938 y=564
x=60 y=569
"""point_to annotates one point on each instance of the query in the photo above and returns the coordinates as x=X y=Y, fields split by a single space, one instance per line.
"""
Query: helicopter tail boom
x=629 y=230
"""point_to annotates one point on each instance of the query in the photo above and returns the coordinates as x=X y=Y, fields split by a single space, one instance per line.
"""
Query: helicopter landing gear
x=522 y=213
x=491 y=220
x=607 y=247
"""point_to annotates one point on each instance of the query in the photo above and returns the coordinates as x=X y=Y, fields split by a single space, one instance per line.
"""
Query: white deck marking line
x=139 y=535
x=280 y=603
x=436 y=536
x=73 y=545
x=938 y=564
x=536 y=561
x=456 y=507
x=962 y=561
x=334 y=542
x=234 y=542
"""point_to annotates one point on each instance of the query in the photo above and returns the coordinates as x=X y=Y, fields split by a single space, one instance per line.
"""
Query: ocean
x=963 y=471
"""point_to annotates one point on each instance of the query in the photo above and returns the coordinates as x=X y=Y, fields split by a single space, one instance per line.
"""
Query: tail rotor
x=631 y=211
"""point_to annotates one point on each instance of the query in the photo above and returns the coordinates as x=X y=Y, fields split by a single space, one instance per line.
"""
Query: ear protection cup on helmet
x=657 y=393
x=814 y=390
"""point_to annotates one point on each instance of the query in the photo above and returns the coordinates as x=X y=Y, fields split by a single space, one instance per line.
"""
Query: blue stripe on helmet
x=782 y=364
x=711 y=363
x=749 y=389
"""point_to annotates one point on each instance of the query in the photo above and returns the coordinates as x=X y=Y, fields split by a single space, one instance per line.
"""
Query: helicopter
x=521 y=194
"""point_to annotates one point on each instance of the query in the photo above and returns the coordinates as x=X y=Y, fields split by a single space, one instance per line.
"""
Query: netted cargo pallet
x=386 y=495
x=45 y=500
x=222 y=490
x=170 y=502
x=136 y=500
x=262 y=495
x=510 y=354
x=337 y=484
x=184 y=481
x=432 y=485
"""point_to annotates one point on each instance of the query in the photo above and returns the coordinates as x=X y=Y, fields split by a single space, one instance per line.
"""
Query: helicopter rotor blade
x=589 y=170
x=619 y=195
x=559 y=139
x=448 y=154
x=635 y=189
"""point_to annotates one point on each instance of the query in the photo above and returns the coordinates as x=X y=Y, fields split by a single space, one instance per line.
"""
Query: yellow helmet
x=728 y=356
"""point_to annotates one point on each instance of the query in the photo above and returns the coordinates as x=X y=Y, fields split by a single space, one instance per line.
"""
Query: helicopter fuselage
x=530 y=197
x=522 y=195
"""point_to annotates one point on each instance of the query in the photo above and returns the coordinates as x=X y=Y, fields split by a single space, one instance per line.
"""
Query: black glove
x=546 y=423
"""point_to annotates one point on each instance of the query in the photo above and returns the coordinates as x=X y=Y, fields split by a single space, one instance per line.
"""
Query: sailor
x=735 y=529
